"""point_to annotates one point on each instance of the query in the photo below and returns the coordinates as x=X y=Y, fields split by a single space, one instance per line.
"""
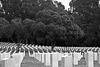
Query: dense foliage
x=87 y=16
x=44 y=22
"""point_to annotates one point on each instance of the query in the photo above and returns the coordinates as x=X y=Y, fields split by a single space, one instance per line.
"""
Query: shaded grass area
x=31 y=62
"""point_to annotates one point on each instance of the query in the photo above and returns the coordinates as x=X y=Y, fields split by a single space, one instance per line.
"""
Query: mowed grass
x=32 y=62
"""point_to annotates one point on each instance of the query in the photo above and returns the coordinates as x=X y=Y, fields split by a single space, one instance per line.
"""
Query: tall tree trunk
x=52 y=46
x=26 y=41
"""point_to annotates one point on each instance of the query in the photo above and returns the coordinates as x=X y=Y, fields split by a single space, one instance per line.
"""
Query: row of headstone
x=42 y=54
x=11 y=60
x=8 y=46
x=67 y=59
x=48 y=48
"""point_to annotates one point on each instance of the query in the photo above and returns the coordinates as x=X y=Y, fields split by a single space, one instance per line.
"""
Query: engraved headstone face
x=75 y=58
x=7 y=62
x=95 y=56
x=54 y=60
x=42 y=57
x=39 y=57
x=7 y=55
x=33 y=55
x=67 y=61
x=59 y=56
x=4 y=55
x=47 y=59
x=99 y=57
x=18 y=58
x=90 y=59
x=10 y=62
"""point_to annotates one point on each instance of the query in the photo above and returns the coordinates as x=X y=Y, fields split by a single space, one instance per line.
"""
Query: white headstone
x=10 y=62
x=85 y=55
x=4 y=55
x=33 y=55
x=95 y=56
x=47 y=59
x=18 y=58
x=67 y=61
x=39 y=57
x=99 y=57
x=90 y=59
x=54 y=60
x=75 y=58
x=59 y=56
x=79 y=56
x=7 y=62
x=43 y=58
x=36 y=56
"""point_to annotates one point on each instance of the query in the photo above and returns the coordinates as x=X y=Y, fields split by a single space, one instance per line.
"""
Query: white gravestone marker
x=99 y=57
x=90 y=59
x=39 y=57
x=47 y=59
x=54 y=60
x=75 y=58
x=67 y=61
x=42 y=58
x=95 y=56
x=4 y=55
x=59 y=56
x=18 y=58
x=7 y=62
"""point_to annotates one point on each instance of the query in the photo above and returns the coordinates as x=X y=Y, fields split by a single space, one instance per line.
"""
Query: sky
x=65 y=3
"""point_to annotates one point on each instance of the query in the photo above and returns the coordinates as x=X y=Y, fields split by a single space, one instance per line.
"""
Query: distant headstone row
x=11 y=55
x=41 y=49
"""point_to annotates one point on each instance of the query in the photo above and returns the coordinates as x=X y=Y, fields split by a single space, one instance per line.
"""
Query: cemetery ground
x=32 y=62
x=27 y=56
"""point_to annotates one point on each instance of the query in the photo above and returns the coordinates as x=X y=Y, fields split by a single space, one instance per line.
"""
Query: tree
x=39 y=33
x=27 y=23
x=43 y=22
x=86 y=15
x=8 y=31
x=27 y=8
x=3 y=23
x=11 y=8
x=48 y=16
x=18 y=29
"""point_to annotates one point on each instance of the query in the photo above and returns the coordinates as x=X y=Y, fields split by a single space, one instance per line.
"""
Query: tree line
x=44 y=22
